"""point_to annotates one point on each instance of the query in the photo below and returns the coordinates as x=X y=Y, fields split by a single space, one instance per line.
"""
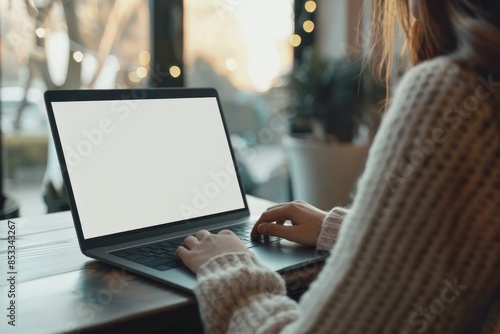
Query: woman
x=418 y=250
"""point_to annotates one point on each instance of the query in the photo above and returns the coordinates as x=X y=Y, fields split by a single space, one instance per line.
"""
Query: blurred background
x=300 y=110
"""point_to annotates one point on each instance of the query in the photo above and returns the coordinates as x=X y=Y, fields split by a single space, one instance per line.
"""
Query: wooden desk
x=60 y=290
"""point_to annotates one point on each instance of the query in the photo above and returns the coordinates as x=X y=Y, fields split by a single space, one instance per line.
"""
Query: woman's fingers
x=275 y=230
x=201 y=234
x=226 y=232
x=270 y=216
x=181 y=252
x=306 y=222
x=295 y=233
x=190 y=241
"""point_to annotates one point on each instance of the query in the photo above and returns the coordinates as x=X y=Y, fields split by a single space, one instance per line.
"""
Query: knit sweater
x=418 y=251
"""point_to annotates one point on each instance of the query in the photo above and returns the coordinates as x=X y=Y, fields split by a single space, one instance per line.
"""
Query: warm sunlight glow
x=310 y=6
x=175 y=71
x=246 y=42
x=78 y=56
x=295 y=40
x=308 y=26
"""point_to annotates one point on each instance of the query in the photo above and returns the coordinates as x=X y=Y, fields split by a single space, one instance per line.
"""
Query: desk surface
x=60 y=290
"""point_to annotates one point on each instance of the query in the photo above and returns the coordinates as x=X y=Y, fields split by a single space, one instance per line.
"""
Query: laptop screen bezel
x=52 y=96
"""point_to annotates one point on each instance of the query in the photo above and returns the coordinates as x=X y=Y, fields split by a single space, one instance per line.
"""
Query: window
x=60 y=45
x=242 y=48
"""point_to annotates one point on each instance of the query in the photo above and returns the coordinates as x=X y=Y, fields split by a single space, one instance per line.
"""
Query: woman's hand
x=198 y=249
x=306 y=222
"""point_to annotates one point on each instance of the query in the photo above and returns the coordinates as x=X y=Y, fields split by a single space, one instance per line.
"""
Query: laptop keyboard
x=160 y=255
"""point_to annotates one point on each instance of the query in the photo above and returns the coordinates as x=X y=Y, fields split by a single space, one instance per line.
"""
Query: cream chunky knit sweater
x=419 y=249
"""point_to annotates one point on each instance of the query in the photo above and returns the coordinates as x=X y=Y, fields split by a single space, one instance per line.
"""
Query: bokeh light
x=40 y=32
x=78 y=56
x=310 y=6
x=231 y=64
x=142 y=72
x=144 y=58
x=133 y=77
x=308 y=26
x=175 y=71
x=295 y=40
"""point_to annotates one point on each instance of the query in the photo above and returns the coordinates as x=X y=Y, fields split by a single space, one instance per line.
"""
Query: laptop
x=145 y=168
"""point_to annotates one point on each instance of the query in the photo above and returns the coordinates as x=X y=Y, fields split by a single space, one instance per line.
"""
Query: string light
x=175 y=71
x=295 y=40
x=40 y=32
x=310 y=6
x=142 y=72
x=133 y=77
x=78 y=56
x=308 y=26
x=144 y=58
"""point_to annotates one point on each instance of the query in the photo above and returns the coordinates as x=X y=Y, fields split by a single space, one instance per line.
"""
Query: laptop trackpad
x=276 y=256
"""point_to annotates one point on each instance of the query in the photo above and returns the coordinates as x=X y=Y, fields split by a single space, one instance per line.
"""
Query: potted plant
x=333 y=113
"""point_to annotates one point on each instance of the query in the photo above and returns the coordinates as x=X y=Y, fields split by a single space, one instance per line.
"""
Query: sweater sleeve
x=238 y=294
x=330 y=228
x=419 y=249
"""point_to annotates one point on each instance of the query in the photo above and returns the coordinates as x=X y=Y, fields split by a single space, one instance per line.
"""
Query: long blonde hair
x=468 y=29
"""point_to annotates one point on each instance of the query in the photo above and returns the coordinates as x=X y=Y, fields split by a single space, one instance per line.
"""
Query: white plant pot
x=322 y=174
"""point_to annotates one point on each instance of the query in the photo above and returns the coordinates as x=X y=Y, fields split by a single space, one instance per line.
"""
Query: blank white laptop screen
x=141 y=163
